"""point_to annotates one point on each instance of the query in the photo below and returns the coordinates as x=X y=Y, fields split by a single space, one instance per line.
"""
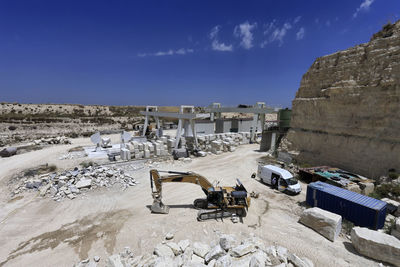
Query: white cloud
x=170 y=52
x=183 y=51
x=269 y=27
x=214 y=32
x=164 y=53
x=296 y=19
x=363 y=7
x=278 y=34
x=275 y=33
x=300 y=33
x=215 y=44
x=243 y=31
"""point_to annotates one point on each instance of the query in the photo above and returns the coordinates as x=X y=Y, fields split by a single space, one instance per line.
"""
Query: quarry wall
x=347 y=110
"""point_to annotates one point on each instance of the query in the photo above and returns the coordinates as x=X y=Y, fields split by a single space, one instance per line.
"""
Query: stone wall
x=347 y=110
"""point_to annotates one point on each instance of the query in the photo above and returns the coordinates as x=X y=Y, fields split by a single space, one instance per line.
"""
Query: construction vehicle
x=279 y=178
x=220 y=202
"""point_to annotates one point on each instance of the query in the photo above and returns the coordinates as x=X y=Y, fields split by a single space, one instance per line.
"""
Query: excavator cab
x=215 y=195
x=239 y=186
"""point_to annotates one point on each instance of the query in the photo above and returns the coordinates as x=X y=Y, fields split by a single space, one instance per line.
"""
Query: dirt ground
x=38 y=231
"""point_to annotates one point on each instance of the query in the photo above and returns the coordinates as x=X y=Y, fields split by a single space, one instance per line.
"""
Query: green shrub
x=375 y=195
x=305 y=165
x=386 y=191
x=347 y=226
x=393 y=175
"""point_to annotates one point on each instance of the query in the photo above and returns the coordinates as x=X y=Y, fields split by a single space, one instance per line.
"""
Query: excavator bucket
x=159 y=207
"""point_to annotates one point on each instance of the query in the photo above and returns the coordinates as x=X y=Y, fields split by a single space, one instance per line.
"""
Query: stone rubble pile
x=226 y=251
x=69 y=184
x=73 y=155
x=389 y=182
x=52 y=140
x=223 y=142
x=165 y=145
x=139 y=150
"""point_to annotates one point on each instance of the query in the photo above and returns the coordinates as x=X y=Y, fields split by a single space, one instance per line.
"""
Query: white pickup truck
x=278 y=178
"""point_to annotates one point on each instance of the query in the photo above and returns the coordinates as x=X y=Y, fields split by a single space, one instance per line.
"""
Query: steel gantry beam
x=258 y=110
x=185 y=113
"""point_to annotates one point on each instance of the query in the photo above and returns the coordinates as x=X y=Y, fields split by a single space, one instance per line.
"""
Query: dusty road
x=38 y=231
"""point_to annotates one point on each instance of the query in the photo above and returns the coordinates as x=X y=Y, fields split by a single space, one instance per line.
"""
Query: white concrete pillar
x=192 y=123
x=273 y=141
x=146 y=121
x=178 y=133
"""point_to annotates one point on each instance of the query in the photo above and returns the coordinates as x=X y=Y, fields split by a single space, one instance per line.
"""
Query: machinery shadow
x=303 y=204
x=264 y=184
x=177 y=206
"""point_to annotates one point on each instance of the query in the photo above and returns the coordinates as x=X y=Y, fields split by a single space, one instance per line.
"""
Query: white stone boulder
x=297 y=262
x=242 y=249
x=324 y=222
x=83 y=183
x=174 y=247
x=215 y=253
x=224 y=261
x=184 y=244
x=282 y=254
x=366 y=188
x=259 y=258
x=196 y=260
x=200 y=249
x=376 y=245
x=44 y=189
x=163 y=250
x=227 y=242
x=115 y=261
x=187 y=255
x=164 y=262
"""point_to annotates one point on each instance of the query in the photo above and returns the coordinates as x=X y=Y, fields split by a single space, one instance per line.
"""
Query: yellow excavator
x=220 y=202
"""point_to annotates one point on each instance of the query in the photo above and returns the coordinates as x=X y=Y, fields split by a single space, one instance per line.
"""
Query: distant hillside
x=23 y=122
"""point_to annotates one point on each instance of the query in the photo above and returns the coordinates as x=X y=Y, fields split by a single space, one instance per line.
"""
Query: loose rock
x=242 y=250
x=200 y=249
x=214 y=253
x=162 y=250
x=169 y=236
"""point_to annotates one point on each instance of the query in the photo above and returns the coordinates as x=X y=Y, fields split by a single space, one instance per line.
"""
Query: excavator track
x=204 y=215
x=200 y=203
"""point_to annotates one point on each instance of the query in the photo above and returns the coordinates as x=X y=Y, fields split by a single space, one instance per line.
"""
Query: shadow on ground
x=80 y=234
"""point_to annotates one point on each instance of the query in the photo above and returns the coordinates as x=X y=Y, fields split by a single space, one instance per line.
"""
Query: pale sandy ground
x=38 y=231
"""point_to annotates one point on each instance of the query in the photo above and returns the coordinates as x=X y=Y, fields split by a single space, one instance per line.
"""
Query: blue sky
x=174 y=52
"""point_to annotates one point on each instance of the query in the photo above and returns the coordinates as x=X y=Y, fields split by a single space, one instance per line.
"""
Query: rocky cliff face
x=347 y=110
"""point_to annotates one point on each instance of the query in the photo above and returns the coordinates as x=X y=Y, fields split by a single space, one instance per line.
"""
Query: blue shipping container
x=361 y=210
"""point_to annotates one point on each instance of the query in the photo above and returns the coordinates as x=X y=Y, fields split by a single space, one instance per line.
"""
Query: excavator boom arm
x=178 y=177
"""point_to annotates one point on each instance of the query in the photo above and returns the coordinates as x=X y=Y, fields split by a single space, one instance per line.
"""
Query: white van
x=278 y=178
